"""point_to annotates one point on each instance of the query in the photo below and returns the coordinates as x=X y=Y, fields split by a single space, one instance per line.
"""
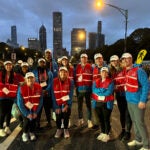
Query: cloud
x=29 y=15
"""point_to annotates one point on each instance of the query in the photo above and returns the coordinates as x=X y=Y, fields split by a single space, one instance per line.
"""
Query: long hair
x=11 y=78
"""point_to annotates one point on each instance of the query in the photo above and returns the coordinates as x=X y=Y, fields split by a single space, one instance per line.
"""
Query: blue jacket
x=142 y=94
x=54 y=68
x=69 y=102
x=103 y=92
x=22 y=107
x=49 y=81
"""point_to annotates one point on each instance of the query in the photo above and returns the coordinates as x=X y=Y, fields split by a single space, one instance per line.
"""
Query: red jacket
x=9 y=90
x=96 y=73
x=119 y=81
x=61 y=89
x=105 y=84
x=132 y=80
x=31 y=95
x=84 y=75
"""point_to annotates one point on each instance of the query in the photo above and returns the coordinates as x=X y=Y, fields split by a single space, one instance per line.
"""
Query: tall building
x=92 y=40
x=78 y=40
x=33 y=43
x=57 y=34
x=42 y=38
x=14 y=34
x=100 y=36
x=13 y=41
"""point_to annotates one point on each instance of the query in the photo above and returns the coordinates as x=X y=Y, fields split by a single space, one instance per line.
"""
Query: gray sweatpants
x=137 y=117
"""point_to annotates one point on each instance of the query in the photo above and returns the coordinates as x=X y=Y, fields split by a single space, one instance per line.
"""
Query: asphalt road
x=81 y=138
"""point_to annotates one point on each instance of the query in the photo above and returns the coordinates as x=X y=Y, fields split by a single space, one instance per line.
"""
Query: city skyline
x=28 y=16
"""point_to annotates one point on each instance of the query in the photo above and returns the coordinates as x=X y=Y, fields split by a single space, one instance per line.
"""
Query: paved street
x=81 y=138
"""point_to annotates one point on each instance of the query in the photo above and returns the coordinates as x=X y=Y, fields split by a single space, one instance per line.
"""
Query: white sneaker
x=58 y=133
x=80 y=122
x=144 y=148
x=2 y=133
x=105 y=138
x=25 y=137
x=7 y=130
x=90 y=125
x=100 y=136
x=66 y=133
x=134 y=143
x=32 y=136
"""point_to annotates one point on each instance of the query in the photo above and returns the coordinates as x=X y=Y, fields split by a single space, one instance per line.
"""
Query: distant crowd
x=25 y=91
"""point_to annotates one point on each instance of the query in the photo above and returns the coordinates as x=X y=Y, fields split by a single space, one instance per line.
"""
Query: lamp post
x=124 y=12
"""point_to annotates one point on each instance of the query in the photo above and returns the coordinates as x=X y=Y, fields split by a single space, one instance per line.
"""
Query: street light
x=124 y=12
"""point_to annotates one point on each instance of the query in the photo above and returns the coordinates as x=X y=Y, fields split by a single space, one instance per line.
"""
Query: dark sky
x=29 y=15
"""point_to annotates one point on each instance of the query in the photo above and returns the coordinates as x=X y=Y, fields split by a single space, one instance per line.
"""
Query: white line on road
x=10 y=138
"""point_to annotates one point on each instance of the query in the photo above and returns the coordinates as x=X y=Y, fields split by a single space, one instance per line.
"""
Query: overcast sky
x=29 y=15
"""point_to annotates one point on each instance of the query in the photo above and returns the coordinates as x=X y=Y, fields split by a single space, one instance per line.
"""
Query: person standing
x=9 y=82
x=118 y=75
x=99 y=63
x=51 y=65
x=103 y=95
x=84 y=88
x=29 y=100
x=62 y=100
x=44 y=77
x=136 y=87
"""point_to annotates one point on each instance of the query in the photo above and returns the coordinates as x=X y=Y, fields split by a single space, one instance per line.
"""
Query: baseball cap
x=24 y=64
x=114 y=57
x=29 y=74
x=7 y=62
x=41 y=59
x=84 y=55
x=63 y=68
x=126 y=55
x=97 y=55
x=48 y=50
x=19 y=61
x=104 y=69
x=64 y=57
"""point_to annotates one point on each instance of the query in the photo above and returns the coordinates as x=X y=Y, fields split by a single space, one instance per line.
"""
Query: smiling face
x=8 y=67
x=104 y=74
x=99 y=61
x=30 y=81
x=84 y=60
x=127 y=62
x=114 y=63
x=63 y=74
x=64 y=62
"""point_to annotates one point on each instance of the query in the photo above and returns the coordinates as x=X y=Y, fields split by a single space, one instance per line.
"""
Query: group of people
x=51 y=86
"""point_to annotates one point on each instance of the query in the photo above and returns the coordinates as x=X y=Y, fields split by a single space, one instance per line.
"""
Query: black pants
x=47 y=104
x=5 y=112
x=87 y=96
x=104 y=116
x=65 y=116
x=28 y=125
x=125 y=119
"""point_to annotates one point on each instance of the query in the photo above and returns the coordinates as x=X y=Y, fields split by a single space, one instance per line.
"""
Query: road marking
x=10 y=138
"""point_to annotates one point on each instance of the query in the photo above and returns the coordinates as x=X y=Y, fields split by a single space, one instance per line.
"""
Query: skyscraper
x=14 y=34
x=100 y=36
x=57 y=34
x=42 y=38
x=92 y=40
x=78 y=40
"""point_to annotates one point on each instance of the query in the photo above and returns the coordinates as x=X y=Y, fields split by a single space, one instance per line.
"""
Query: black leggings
x=65 y=116
x=125 y=118
x=5 y=112
x=103 y=114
